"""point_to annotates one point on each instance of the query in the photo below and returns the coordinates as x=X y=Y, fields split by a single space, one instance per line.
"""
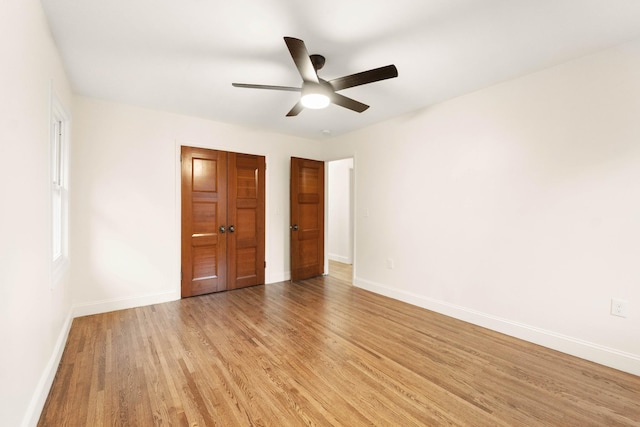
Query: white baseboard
x=32 y=416
x=576 y=347
x=281 y=277
x=104 y=306
x=340 y=258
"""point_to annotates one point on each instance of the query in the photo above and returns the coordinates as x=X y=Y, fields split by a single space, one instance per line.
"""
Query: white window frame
x=59 y=181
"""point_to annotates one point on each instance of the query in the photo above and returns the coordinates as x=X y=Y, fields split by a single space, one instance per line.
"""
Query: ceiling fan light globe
x=315 y=101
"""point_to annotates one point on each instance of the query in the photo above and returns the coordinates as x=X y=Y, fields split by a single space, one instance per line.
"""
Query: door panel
x=204 y=210
x=247 y=216
x=307 y=218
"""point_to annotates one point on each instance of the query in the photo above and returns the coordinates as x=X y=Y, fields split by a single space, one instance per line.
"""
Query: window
x=59 y=187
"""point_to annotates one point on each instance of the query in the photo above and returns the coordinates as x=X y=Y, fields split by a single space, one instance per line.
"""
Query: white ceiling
x=183 y=55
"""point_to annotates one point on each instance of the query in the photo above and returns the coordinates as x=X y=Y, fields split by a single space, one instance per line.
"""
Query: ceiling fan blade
x=301 y=58
x=252 y=86
x=349 y=103
x=375 y=75
x=295 y=110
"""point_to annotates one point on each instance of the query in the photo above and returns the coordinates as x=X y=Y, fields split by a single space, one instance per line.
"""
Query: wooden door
x=204 y=212
x=246 y=220
x=223 y=232
x=307 y=218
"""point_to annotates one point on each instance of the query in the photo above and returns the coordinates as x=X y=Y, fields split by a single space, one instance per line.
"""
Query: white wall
x=340 y=235
x=34 y=314
x=516 y=207
x=126 y=206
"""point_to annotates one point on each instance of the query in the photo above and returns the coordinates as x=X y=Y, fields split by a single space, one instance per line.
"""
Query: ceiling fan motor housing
x=317 y=61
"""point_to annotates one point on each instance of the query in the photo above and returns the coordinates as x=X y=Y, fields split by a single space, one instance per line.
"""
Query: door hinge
x=181 y=275
x=265 y=264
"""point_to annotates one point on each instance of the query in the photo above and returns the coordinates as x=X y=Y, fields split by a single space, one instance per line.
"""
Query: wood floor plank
x=320 y=352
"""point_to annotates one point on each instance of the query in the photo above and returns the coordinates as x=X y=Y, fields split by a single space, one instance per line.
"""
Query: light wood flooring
x=315 y=353
x=341 y=271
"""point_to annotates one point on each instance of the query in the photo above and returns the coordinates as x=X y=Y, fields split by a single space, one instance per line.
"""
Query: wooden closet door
x=246 y=220
x=204 y=212
x=223 y=220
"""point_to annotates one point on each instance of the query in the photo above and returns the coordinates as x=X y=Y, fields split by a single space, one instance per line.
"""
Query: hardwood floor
x=341 y=271
x=320 y=352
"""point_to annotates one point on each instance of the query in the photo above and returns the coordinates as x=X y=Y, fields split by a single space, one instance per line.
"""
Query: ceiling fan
x=319 y=93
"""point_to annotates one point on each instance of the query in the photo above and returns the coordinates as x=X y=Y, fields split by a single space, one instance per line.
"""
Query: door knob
x=222 y=229
x=294 y=227
x=231 y=229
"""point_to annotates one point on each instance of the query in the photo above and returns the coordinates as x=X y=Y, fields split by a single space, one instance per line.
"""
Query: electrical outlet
x=390 y=264
x=618 y=307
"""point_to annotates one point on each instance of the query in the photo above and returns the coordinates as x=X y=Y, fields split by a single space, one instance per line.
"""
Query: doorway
x=340 y=219
x=317 y=250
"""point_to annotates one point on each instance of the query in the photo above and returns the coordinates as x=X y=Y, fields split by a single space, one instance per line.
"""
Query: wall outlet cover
x=619 y=307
